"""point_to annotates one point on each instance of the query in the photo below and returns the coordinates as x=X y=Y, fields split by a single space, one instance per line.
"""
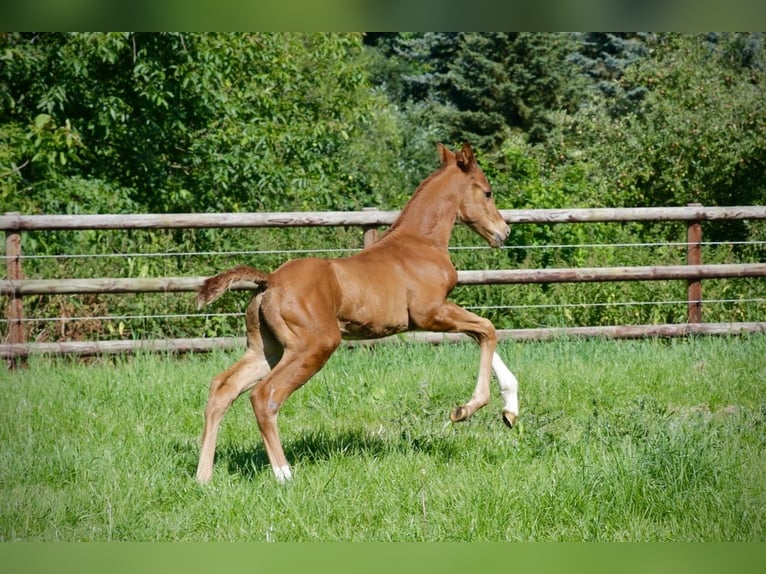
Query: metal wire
x=356 y=249
x=187 y=253
x=471 y=307
x=124 y=317
x=611 y=304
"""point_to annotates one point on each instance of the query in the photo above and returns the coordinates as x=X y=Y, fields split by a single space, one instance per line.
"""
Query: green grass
x=642 y=441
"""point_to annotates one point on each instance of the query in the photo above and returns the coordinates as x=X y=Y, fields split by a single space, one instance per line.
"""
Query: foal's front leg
x=480 y=395
x=509 y=388
x=508 y=391
x=452 y=318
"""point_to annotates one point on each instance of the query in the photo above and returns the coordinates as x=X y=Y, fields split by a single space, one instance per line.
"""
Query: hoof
x=509 y=419
x=459 y=414
x=203 y=479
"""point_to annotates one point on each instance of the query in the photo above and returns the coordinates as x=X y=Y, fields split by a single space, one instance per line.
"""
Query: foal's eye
x=488 y=194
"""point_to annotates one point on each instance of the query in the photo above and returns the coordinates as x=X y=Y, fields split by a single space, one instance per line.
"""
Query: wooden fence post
x=15 y=311
x=370 y=231
x=694 y=257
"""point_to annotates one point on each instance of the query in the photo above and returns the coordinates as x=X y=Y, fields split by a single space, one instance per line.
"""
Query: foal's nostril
x=501 y=236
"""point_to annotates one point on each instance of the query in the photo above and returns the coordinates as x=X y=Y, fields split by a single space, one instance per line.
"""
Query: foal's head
x=477 y=205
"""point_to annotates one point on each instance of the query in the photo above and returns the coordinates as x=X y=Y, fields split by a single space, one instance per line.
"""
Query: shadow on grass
x=322 y=446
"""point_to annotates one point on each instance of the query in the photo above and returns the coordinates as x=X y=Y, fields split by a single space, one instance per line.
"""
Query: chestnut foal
x=301 y=311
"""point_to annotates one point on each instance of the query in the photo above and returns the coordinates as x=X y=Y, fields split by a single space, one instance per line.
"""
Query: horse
x=300 y=312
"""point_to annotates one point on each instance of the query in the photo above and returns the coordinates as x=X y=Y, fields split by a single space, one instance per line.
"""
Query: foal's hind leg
x=263 y=352
x=297 y=366
x=224 y=388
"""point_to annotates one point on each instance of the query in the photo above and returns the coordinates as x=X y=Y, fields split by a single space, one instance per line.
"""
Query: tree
x=481 y=87
x=191 y=122
x=89 y=107
x=604 y=58
x=697 y=134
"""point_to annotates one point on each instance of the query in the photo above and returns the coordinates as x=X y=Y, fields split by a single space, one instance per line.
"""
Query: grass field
x=641 y=441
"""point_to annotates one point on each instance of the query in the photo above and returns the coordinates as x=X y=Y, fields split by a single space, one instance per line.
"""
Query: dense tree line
x=199 y=122
x=676 y=117
x=193 y=122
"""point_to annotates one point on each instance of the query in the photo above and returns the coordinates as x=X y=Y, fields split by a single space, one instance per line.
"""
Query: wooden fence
x=15 y=287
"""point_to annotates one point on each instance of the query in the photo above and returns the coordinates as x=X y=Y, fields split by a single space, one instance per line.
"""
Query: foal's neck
x=431 y=212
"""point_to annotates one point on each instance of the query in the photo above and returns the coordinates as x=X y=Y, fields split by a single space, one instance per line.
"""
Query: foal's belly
x=352 y=329
x=375 y=314
x=371 y=299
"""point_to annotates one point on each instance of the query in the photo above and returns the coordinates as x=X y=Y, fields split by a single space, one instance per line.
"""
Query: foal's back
x=368 y=295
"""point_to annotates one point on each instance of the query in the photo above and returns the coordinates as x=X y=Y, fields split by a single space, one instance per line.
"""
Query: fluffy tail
x=214 y=287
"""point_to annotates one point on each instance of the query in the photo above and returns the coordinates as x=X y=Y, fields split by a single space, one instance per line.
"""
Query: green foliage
x=604 y=58
x=228 y=122
x=482 y=86
x=301 y=130
x=195 y=122
x=170 y=122
x=696 y=136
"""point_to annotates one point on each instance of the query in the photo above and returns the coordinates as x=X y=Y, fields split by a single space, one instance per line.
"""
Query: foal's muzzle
x=499 y=237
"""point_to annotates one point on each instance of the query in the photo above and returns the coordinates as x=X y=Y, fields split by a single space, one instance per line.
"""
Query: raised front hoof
x=458 y=415
x=509 y=419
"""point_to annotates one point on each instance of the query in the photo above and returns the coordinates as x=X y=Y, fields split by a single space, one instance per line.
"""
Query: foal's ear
x=445 y=155
x=465 y=158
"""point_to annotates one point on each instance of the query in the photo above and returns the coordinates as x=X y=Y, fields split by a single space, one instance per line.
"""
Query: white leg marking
x=509 y=386
x=283 y=473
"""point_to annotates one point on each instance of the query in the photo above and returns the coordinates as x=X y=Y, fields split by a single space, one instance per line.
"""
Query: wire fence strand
x=168 y=254
x=470 y=307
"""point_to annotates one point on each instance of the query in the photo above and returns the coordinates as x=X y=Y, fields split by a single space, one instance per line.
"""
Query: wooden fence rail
x=14 y=287
x=23 y=287
x=206 y=344
x=367 y=217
